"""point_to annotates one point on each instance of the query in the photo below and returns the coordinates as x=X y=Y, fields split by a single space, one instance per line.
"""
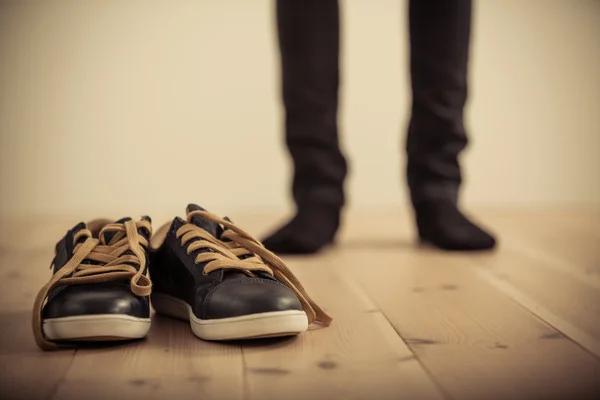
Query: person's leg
x=440 y=33
x=308 y=33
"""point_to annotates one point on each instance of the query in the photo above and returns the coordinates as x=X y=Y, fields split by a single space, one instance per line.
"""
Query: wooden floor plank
x=328 y=287
x=16 y=335
x=476 y=341
x=550 y=263
x=33 y=376
x=575 y=305
x=563 y=326
x=170 y=363
x=22 y=273
x=567 y=240
x=358 y=357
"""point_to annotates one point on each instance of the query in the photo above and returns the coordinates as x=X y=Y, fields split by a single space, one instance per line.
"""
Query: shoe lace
x=111 y=264
x=236 y=243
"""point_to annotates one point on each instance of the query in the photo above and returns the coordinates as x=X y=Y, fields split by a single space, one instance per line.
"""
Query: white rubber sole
x=101 y=327
x=269 y=324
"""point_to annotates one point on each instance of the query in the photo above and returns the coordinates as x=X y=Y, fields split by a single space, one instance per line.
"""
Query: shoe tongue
x=209 y=226
x=77 y=228
x=109 y=235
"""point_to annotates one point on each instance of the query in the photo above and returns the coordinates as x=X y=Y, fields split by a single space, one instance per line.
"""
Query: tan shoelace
x=225 y=255
x=114 y=265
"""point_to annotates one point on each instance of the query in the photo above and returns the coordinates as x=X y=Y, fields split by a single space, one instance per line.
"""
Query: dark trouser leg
x=440 y=33
x=309 y=48
x=439 y=54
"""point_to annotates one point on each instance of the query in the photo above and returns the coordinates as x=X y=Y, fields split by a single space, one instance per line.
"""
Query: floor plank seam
x=558 y=264
x=245 y=381
x=570 y=331
x=361 y=294
x=427 y=371
x=62 y=379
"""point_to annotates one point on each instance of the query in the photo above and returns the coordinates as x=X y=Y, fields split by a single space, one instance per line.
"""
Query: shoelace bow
x=112 y=264
x=236 y=243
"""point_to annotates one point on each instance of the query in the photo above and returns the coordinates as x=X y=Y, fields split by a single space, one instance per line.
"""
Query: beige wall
x=138 y=107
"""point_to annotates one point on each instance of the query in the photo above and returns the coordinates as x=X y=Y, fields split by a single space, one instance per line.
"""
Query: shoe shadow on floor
x=165 y=331
x=276 y=342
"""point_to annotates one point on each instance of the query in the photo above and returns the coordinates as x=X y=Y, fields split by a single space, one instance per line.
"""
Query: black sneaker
x=99 y=290
x=212 y=273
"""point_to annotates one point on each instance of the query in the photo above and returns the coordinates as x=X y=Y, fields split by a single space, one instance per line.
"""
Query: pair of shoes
x=203 y=269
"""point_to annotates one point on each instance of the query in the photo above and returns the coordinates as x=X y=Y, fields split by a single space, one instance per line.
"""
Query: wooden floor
x=410 y=323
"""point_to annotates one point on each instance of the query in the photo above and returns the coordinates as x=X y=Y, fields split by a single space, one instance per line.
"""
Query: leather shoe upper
x=112 y=297
x=222 y=293
x=72 y=301
x=243 y=296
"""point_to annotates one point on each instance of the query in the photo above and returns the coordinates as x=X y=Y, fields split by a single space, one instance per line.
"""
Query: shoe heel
x=170 y=306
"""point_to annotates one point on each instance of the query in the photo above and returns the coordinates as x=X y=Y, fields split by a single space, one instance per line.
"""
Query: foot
x=307 y=233
x=443 y=225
